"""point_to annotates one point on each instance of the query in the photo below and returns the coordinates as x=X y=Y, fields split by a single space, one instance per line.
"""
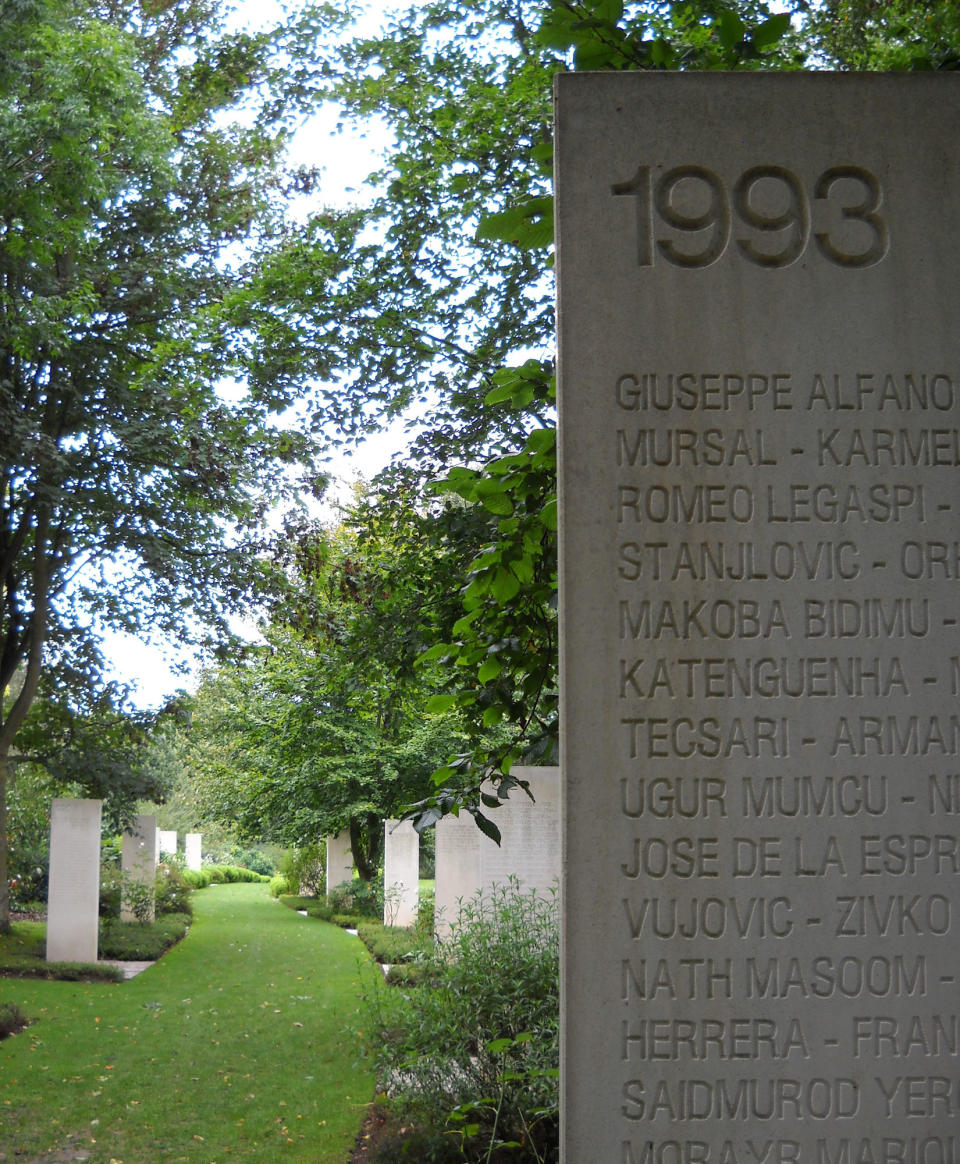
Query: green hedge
x=229 y=874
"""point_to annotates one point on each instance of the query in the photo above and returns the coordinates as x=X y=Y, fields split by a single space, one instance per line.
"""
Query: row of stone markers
x=73 y=905
x=467 y=863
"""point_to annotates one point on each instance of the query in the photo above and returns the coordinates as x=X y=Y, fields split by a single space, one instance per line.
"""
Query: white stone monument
x=339 y=859
x=167 y=842
x=760 y=616
x=138 y=863
x=73 y=904
x=192 y=851
x=467 y=862
x=401 y=873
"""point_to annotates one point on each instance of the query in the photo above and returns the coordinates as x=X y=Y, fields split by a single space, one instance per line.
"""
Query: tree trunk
x=366 y=842
x=5 y=927
x=11 y=720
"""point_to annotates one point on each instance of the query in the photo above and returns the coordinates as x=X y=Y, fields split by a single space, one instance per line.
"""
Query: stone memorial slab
x=468 y=863
x=401 y=873
x=339 y=860
x=760 y=601
x=73 y=903
x=192 y=853
x=138 y=863
x=167 y=842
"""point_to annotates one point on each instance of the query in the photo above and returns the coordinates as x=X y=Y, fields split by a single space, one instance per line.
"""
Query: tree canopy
x=142 y=149
x=323 y=727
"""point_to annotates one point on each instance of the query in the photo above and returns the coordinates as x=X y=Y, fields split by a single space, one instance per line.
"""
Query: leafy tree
x=895 y=35
x=324 y=728
x=141 y=146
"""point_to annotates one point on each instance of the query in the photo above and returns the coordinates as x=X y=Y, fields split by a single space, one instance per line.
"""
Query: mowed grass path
x=245 y=1042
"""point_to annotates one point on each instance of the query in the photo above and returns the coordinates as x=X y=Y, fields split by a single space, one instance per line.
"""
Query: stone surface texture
x=760 y=616
x=339 y=860
x=469 y=863
x=74 y=895
x=192 y=851
x=401 y=873
x=138 y=859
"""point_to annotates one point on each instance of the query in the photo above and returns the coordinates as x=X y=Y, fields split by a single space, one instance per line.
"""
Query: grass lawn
x=245 y=1042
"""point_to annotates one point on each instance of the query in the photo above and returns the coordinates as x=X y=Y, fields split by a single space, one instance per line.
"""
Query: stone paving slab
x=130 y=969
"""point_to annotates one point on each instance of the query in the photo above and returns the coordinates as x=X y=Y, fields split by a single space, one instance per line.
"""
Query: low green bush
x=359 y=898
x=470 y=1057
x=303 y=869
x=196 y=878
x=12 y=1019
x=111 y=889
x=231 y=874
x=21 y=967
x=133 y=942
x=280 y=887
x=172 y=893
x=394 y=943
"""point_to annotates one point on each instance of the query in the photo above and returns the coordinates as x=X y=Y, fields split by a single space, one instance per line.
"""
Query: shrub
x=111 y=890
x=280 y=887
x=393 y=943
x=12 y=1019
x=303 y=869
x=138 y=899
x=196 y=878
x=362 y=898
x=472 y=1056
x=230 y=874
x=172 y=891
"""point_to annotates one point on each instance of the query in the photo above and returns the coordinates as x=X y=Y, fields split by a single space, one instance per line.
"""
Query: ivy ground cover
x=245 y=1042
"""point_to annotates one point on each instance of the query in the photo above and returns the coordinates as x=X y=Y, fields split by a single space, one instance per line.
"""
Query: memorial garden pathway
x=245 y=1042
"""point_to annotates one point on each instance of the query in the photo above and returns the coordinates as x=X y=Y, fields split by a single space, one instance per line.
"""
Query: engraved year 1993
x=687 y=215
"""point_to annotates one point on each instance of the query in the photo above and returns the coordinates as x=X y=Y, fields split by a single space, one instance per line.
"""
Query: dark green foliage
x=22 y=967
x=12 y=1019
x=472 y=1057
x=232 y=874
x=360 y=898
x=172 y=893
x=303 y=868
x=392 y=944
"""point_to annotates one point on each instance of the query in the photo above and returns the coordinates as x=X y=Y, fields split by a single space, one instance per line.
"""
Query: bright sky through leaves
x=346 y=157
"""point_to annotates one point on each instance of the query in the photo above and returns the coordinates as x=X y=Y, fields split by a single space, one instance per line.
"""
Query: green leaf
x=731 y=29
x=529 y=224
x=498 y=503
x=437 y=651
x=610 y=11
x=505 y=585
x=487 y=827
x=541 y=440
x=488 y=670
x=437 y=704
x=771 y=31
